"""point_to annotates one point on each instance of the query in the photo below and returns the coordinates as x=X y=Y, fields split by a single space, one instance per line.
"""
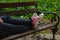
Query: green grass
x=15 y=0
x=43 y=5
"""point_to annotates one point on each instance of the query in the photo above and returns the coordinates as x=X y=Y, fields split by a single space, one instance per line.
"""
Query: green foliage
x=49 y=5
x=15 y=0
x=43 y=5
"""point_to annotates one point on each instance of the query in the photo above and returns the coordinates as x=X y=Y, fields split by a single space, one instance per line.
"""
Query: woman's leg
x=33 y=21
x=19 y=21
x=9 y=29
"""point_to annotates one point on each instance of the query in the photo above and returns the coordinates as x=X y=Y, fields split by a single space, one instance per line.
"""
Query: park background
x=43 y=5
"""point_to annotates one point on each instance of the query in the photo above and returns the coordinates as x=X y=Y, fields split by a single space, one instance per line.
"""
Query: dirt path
x=38 y=37
x=41 y=37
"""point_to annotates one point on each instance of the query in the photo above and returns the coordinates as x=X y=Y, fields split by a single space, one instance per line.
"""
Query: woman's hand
x=1 y=21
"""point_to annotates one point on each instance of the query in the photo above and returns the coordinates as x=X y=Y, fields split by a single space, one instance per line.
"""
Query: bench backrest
x=18 y=4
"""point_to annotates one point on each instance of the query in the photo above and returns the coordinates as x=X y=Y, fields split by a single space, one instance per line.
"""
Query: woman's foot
x=36 y=19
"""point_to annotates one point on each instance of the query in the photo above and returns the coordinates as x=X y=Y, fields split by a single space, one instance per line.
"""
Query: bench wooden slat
x=30 y=32
x=19 y=12
x=17 y=4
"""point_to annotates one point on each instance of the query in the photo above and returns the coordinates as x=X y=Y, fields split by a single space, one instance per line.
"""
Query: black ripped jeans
x=14 y=26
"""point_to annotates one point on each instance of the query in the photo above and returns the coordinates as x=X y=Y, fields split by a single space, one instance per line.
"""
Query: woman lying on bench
x=10 y=26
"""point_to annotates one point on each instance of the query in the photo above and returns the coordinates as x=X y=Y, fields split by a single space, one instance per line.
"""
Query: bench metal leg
x=54 y=30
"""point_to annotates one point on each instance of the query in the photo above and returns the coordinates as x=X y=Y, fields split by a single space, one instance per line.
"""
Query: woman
x=10 y=26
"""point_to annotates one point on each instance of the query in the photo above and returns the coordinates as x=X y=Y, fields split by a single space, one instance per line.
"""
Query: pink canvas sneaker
x=36 y=19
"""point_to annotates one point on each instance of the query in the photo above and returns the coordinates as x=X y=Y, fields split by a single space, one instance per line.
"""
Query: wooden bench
x=18 y=4
x=26 y=11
